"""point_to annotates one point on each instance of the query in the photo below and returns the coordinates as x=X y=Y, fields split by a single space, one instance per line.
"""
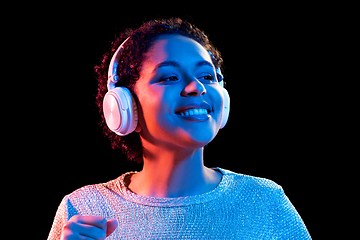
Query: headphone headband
x=112 y=72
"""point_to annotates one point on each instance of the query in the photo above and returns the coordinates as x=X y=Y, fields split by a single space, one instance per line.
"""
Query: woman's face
x=180 y=101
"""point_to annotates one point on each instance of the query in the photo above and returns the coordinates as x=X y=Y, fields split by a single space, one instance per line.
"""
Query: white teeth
x=196 y=111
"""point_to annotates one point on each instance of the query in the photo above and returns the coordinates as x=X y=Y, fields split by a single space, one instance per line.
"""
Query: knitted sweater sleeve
x=64 y=213
x=288 y=223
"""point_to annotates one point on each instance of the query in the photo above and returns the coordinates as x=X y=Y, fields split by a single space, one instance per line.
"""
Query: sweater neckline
x=127 y=194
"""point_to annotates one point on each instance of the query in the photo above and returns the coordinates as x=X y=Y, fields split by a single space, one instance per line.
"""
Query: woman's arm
x=288 y=223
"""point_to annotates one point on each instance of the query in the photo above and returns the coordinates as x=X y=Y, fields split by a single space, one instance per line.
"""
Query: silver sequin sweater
x=240 y=207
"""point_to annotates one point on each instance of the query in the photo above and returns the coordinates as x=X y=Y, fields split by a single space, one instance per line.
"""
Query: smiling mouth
x=193 y=111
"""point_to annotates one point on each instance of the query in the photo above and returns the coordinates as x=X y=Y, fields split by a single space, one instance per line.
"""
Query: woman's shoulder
x=90 y=199
x=85 y=193
x=242 y=183
x=93 y=190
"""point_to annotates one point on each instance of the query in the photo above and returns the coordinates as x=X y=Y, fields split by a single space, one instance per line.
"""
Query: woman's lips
x=199 y=111
x=193 y=111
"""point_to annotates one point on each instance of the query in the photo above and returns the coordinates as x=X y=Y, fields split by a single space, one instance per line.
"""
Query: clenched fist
x=88 y=227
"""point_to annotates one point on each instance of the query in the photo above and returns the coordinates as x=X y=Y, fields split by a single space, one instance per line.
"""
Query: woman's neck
x=169 y=173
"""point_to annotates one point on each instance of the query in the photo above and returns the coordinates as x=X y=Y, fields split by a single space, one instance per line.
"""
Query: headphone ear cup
x=226 y=109
x=120 y=111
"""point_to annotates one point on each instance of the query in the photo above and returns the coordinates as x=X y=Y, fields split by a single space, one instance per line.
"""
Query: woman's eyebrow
x=176 y=64
x=202 y=63
x=165 y=64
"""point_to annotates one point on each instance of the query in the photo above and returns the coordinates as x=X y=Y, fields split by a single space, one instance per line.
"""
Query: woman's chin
x=197 y=138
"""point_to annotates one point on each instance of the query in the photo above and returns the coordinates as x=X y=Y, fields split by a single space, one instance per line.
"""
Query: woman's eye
x=169 y=79
x=207 y=77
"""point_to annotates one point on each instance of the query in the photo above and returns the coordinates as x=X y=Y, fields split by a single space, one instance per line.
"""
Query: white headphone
x=119 y=106
x=226 y=109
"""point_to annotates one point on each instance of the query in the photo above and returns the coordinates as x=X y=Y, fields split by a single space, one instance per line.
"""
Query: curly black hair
x=132 y=56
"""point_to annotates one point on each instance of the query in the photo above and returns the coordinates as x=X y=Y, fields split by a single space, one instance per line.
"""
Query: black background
x=276 y=130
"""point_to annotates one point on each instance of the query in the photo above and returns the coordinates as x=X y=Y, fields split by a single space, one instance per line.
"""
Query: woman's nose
x=194 y=88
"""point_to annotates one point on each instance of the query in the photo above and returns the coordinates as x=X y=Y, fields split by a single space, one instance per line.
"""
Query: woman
x=163 y=100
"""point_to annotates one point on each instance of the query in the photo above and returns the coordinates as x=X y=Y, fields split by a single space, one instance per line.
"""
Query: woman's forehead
x=176 y=48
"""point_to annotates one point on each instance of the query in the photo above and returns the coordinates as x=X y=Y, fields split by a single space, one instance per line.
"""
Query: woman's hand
x=88 y=227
